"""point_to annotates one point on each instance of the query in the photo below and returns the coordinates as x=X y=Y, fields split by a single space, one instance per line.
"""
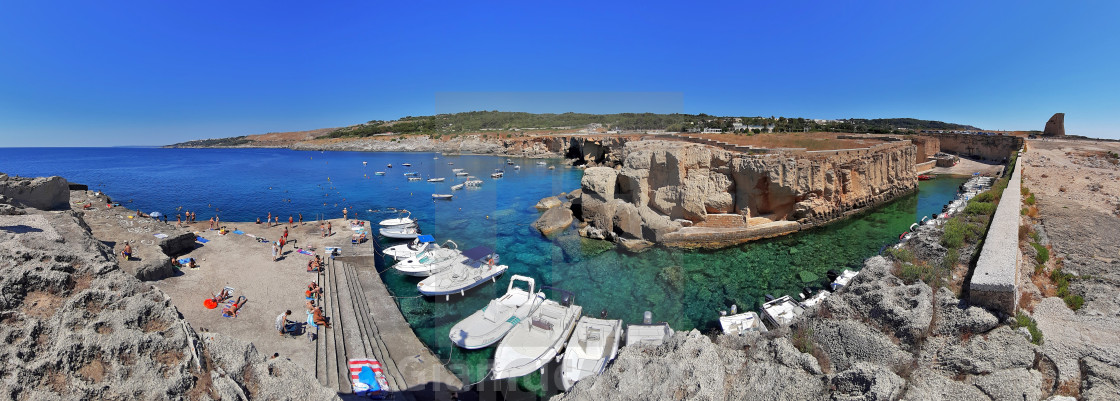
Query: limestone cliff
x=688 y=194
x=581 y=149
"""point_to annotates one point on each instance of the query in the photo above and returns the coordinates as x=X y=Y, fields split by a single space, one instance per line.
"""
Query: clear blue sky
x=104 y=73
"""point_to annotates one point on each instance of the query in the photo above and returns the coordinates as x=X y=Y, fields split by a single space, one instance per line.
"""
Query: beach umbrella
x=155 y=215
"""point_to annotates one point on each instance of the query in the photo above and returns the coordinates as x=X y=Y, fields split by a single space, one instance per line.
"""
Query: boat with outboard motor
x=434 y=259
x=405 y=251
x=405 y=219
x=535 y=341
x=442 y=196
x=781 y=311
x=440 y=179
x=488 y=325
x=400 y=232
x=648 y=333
x=593 y=344
x=740 y=323
x=457 y=187
x=498 y=173
x=481 y=265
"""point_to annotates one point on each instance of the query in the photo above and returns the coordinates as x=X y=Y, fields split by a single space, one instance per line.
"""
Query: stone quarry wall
x=1056 y=126
x=927 y=146
x=997 y=270
x=43 y=193
x=663 y=186
x=987 y=147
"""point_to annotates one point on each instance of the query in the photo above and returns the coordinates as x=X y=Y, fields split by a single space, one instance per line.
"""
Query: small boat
x=498 y=173
x=405 y=219
x=406 y=164
x=405 y=251
x=400 y=232
x=509 y=162
x=780 y=312
x=379 y=173
x=432 y=260
x=552 y=167
x=648 y=333
x=843 y=279
x=813 y=300
x=414 y=178
x=487 y=326
x=412 y=174
x=481 y=265
x=541 y=163
x=517 y=167
x=473 y=183
x=738 y=324
x=456 y=170
x=457 y=187
x=450 y=164
x=364 y=163
x=442 y=196
x=440 y=179
x=462 y=173
x=390 y=165
x=593 y=344
x=536 y=340
x=924 y=177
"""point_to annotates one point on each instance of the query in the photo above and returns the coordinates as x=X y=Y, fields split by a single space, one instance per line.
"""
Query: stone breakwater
x=693 y=195
x=75 y=326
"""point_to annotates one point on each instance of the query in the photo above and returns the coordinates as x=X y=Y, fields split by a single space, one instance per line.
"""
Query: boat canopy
x=425 y=238
x=478 y=252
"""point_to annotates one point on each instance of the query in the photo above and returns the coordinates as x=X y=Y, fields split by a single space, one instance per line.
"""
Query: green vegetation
x=1030 y=200
x=934 y=276
x=213 y=143
x=901 y=254
x=1022 y=320
x=1061 y=279
x=803 y=338
x=1042 y=254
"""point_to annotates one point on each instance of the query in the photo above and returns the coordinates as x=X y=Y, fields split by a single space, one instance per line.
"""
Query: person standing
x=301 y=219
x=329 y=233
x=285 y=234
x=217 y=221
x=211 y=223
x=275 y=250
x=344 y=213
x=179 y=220
x=269 y=219
x=322 y=230
x=289 y=225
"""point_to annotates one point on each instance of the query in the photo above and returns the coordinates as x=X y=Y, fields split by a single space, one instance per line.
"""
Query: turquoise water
x=685 y=288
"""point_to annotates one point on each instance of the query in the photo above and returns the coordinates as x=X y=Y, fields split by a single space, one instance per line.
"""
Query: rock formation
x=688 y=194
x=1056 y=126
x=43 y=193
x=75 y=326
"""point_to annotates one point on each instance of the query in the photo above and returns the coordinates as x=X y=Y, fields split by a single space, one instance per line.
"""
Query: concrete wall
x=994 y=282
x=924 y=167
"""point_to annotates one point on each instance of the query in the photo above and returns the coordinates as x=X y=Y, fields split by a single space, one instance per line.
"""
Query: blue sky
x=107 y=73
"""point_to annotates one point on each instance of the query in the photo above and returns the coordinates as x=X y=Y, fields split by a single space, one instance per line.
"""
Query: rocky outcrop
x=1056 y=126
x=77 y=327
x=663 y=187
x=178 y=244
x=580 y=149
x=553 y=220
x=43 y=193
x=548 y=203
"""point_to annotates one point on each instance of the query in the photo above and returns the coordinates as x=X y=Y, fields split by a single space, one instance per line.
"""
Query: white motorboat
x=648 y=333
x=412 y=174
x=440 y=179
x=541 y=163
x=379 y=173
x=405 y=219
x=442 y=196
x=400 y=232
x=457 y=187
x=780 y=312
x=517 y=167
x=487 y=326
x=434 y=259
x=473 y=183
x=450 y=163
x=815 y=299
x=456 y=170
x=843 y=279
x=509 y=162
x=405 y=251
x=593 y=344
x=552 y=167
x=497 y=173
x=406 y=164
x=536 y=340
x=481 y=265
x=738 y=324
x=461 y=173
x=414 y=178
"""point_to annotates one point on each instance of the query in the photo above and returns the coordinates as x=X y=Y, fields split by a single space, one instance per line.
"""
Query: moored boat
x=488 y=325
x=741 y=323
x=404 y=220
x=434 y=259
x=405 y=251
x=498 y=173
x=536 y=340
x=481 y=265
x=457 y=187
x=843 y=279
x=440 y=179
x=442 y=196
x=593 y=344
x=379 y=173
x=780 y=312
x=648 y=333
x=400 y=232
x=406 y=164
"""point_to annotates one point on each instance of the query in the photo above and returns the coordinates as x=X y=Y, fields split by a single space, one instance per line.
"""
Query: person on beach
x=165 y=219
x=222 y=296
x=289 y=223
x=322 y=230
x=344 y=213
x=211 y=222
x=314 y=289
x=285 y=234
x=269 y=219
x=231 y=311
x=282 y=242
x=319 y=319
x=191 y=264
x=283 y=325
x=329 y=229
x=275 y=250
x=301 y=219
x=127 y=252
x=179 y=220
x=258 y=220
x=218 y=221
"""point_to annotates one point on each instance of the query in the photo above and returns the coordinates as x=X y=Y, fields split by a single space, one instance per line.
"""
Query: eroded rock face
x=43 y=193
x=77 y=327
x=688 y=182
x=553 y=220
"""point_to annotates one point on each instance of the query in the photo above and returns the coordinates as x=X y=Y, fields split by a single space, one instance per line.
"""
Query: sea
x=686 y=288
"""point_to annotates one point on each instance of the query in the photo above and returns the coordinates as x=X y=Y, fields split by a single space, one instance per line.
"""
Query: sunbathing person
x=222 y=296
x=231 y=310
x=314 y=289
x=319 y=319
x=191 y=264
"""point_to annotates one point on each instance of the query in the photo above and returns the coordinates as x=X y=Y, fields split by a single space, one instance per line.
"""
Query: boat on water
x=456 y=170
x=541 y=163
x=364 y=163
x=400 y=232
x=405 y=251
x=809 y=301
x=498 y=173
x=781 y=311
x=741 y=323
x=509 y=162
x=406 y=164
x=457 y=187
x=440 y=179
x=461 y=173
x=536 y=340
x=442 y=196
x=517 y=167
x=843 y=279
x=473 y=183
x=488 y=325
x=412 y=174
x=925 y=177
x=593 y=344
x=434 y=259
x=450 y=164
x=552 y=167
x=481 y=265
x=379 y=173
x=404 y=219
x=414 y=178
x=648 y=333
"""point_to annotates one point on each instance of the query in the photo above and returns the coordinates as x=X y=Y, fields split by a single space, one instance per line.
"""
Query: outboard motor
x=769 y=298
x=566 y=299
x=603 y=314
x=808 y=291
x=734 y=309
x=832 y=275
x=647 y=318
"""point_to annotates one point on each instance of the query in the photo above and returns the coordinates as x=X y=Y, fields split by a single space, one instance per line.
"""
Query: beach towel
x=184 y=261
x=368 y=379
x=311 y=320
x=160 y=235
x=202 y=240
x=238 y=232
x=306 y=252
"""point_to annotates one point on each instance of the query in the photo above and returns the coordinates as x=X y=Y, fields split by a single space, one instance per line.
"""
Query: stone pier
x=994 y=281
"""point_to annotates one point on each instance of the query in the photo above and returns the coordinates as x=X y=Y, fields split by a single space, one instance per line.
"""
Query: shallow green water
x=687 y=289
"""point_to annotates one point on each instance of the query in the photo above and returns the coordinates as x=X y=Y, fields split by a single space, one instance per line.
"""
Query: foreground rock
x=554 y=220
x=78 y=327
x=44 y=193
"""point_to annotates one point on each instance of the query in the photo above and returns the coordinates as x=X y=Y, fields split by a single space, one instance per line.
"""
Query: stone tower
x=1056 y=126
